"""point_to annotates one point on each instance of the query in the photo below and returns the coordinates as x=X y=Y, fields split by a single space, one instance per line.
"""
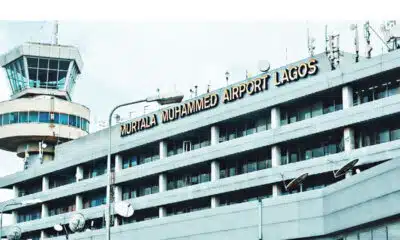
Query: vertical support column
x=162 y=212
x=117 y=198
x=43 y=235
x=79 y=173
x=215 y=168
x=348 y=136
x=16 y=191
x=45 y=210
x=118 y=163
x=214 y=202
x=78 y=202
x=275 y=117
x=162 y=178
x=14 y=216
x=45 y=183
x=275 y=161
x=347 y=96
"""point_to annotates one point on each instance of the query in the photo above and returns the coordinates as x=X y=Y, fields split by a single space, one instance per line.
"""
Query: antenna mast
x=310 y=43
x=326 y=39
x=55 y=33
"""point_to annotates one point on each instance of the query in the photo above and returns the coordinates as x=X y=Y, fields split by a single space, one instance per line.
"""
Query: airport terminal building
x=212 y=167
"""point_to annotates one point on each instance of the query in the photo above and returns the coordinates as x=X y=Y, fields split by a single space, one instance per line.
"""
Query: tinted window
x=23 y=117
x=33 y=116
x=44 y=117
x=63 y=119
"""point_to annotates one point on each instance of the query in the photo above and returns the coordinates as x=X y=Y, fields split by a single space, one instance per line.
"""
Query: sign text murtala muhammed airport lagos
x=229 y=94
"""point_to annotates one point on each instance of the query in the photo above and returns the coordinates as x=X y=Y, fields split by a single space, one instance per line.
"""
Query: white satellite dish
x=124 y=209
x=14 y=234
x=264 y=66
x=77 y=222
x=58 y=227
x=344 y=169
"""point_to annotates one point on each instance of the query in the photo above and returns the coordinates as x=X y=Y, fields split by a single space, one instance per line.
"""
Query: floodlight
x=77 y=222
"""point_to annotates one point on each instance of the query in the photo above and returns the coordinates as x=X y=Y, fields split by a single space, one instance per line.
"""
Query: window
x=1 y=119
x=23 y=117
x=72 y=120
x=14 y=117
x=44 y=117
x=6 y=118
x=63 y=119
x=187 y=146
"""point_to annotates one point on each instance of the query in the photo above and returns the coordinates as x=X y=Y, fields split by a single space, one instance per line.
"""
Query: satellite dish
x=77 y=222
x=44 y=145
x=58 y=227
x=345 y=168
x=124 y=209
x=295 y=182
x=14 y=234
x=264 y=65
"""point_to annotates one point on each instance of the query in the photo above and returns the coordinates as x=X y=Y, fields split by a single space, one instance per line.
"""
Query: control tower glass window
x=48 y=73
x=16 y=73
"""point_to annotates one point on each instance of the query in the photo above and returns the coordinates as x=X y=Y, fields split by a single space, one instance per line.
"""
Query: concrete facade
x=325 y=213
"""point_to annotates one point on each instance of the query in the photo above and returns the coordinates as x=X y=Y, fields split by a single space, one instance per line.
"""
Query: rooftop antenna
x=310 y=43
x=391 y=34
x=195 y=90
x=334 y=50
x=55 y=33
x=145 y=107
x=247 y=74
x=191 y=93
x=209 y=86
x=326 y=39
x=354 y=28
x=367 y=36
x=117 y=118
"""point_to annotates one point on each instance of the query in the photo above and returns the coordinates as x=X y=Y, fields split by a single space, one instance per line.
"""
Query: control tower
x=40 y=113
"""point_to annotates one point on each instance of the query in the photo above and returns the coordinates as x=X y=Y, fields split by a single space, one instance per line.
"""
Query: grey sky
x=127 y=61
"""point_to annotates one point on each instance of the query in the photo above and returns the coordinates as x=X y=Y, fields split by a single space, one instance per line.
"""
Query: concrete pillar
x=14 y=216
x=347 y=96
x=78 y=202
x=162 y=178
x=214 y=135
x=79 y=173
x=45 y=210
x=43 y=235
x=348 y=136
x=275 y=162
x=276 y=190
x=214 y=202
x=117 y=193
x=118 y=163
x=162 y=182
x=16 y=191
x=163 y=149
x=215 y=170
x=45 y=183
x=275 y=117
x=162 y=212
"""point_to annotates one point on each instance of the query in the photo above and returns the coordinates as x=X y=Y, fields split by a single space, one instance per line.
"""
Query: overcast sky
x=129 y=61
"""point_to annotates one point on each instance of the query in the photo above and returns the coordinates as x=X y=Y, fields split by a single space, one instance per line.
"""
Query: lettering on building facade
x=230 y=94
